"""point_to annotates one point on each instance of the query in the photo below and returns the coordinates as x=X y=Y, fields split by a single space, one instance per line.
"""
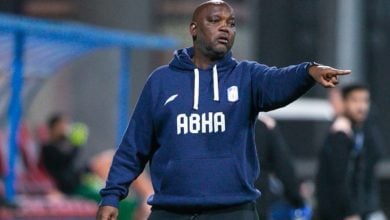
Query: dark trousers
x=245 y=211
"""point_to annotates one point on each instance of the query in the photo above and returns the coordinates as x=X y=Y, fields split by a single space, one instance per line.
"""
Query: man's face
x=214 y=30
x=357 y=105
x=61 y=128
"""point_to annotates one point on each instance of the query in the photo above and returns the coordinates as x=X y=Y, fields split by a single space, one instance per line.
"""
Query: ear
x=193 y=29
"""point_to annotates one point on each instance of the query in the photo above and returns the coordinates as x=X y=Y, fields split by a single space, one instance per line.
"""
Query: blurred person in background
x=347 y=187
x=59 y=155
x=58 y=158
x=280 y=189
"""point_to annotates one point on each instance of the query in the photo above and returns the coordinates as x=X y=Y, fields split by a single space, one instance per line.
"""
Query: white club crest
x=232 y=94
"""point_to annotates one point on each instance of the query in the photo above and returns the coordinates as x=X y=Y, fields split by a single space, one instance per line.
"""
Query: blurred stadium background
x=353 y=34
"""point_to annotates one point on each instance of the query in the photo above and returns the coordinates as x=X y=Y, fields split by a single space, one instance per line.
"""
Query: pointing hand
x=326 y=76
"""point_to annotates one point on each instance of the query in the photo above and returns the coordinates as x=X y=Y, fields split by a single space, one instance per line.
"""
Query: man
x=194 y=123
x=58 y=159
x=58 y=155
x=346 y=182
x=275 y=160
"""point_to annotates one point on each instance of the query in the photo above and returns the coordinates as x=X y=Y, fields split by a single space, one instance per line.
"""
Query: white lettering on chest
x=205 y=123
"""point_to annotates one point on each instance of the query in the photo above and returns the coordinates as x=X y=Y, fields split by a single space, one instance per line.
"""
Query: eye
x=214 y=19
x=232 y=22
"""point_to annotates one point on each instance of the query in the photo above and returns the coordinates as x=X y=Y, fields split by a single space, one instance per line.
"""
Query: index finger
x=342 y=72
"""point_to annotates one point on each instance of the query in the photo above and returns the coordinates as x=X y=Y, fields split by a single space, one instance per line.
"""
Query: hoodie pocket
x=203 y=177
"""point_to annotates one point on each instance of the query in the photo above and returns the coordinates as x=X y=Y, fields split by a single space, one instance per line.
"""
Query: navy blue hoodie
x=195 y=126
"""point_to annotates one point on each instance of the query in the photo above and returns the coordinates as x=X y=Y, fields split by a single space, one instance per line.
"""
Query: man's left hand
x=326 y=75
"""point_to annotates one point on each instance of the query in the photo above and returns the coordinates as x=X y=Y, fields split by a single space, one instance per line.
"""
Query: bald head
x=198 y=10
x=213 y=29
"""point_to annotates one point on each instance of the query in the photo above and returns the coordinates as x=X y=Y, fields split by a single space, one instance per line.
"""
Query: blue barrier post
x=123 y=92
x=14 y=113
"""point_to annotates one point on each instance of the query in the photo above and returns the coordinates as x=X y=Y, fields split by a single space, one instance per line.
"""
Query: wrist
x=110 y=200
x=311 y=66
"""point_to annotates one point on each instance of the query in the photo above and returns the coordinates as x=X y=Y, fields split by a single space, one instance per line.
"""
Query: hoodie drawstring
x=196 y=86
x=215 y=83
x=196 y=89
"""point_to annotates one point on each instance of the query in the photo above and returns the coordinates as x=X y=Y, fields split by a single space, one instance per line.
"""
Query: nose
x=225 y=28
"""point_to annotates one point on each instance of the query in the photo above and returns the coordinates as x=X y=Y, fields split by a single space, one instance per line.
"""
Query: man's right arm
x=131 y=156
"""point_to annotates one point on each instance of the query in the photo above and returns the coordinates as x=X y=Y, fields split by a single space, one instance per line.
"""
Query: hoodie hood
x=182 y=60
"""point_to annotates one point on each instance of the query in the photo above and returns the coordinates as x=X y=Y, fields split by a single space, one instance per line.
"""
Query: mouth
x=223 y=40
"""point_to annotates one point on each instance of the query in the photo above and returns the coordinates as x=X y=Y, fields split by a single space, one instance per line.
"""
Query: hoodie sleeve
x=133 y=153
x=276 y=87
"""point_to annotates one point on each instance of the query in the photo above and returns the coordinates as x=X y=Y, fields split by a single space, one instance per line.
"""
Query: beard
x=356 y=118
x=213 y=49
x=216 y=53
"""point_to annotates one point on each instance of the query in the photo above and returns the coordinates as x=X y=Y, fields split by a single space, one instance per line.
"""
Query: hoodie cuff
x=110 y=201
x=305 y=73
